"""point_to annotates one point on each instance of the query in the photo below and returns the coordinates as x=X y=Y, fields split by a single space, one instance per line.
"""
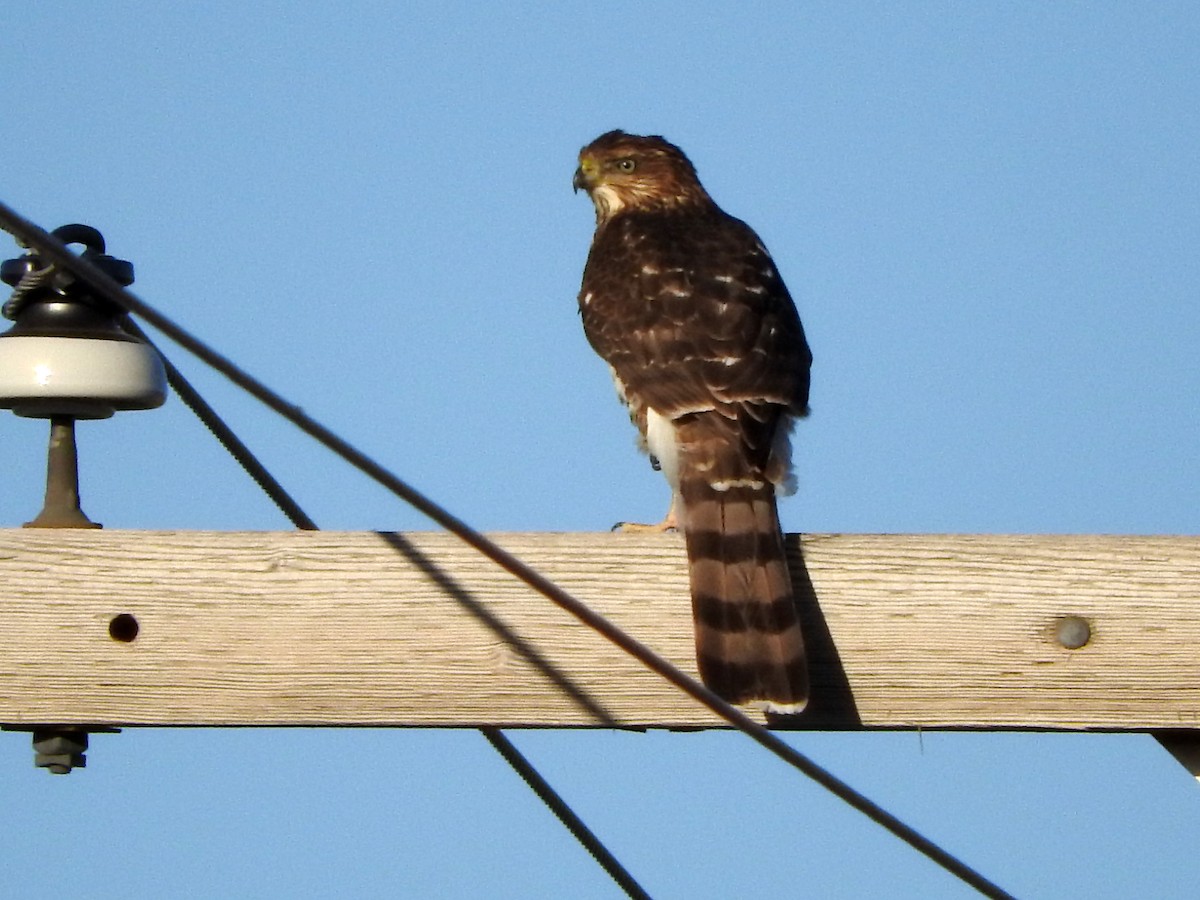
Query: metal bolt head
x=60 y=751
x=1073 y=632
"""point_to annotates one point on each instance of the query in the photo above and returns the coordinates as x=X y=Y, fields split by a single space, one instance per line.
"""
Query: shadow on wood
x=464 y=598
x=831 y=703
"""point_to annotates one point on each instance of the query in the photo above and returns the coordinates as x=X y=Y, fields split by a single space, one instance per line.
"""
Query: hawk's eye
x=626 y=165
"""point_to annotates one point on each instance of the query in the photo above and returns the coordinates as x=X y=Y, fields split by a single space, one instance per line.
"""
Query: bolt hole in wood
x=123 y=628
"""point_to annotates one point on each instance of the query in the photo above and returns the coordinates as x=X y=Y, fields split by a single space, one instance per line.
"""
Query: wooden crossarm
x=415 y=629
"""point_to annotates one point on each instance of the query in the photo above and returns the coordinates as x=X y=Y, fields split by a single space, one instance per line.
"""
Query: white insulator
x=87 y=378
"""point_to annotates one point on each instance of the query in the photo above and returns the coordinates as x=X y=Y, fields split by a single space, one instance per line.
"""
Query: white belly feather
x=660 y=440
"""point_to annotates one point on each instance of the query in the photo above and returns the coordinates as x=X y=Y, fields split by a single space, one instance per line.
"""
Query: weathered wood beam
x=334 y=628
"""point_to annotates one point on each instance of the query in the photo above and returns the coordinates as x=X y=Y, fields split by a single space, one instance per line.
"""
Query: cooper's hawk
x=685 y=305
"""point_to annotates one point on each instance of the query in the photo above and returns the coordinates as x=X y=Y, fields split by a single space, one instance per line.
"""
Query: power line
x=53 y=250
x=227 y=437
x=565 y=814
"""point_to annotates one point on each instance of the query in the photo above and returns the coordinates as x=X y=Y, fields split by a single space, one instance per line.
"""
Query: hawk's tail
x=748 y=642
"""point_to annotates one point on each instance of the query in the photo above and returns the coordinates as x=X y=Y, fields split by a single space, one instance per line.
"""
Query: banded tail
x=748 y=641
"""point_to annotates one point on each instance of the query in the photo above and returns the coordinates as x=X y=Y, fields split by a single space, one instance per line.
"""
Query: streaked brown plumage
x=685 y=305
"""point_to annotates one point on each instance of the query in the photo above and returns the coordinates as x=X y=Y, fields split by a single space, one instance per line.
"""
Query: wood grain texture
x=329 y=628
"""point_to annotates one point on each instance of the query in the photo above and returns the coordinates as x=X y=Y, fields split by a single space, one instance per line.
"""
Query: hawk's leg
x=670 y=523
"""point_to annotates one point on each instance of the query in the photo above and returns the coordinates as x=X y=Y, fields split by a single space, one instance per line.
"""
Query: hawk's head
x=630 y=172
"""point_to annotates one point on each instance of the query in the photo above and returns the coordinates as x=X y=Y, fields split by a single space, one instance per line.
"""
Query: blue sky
x=989 y=217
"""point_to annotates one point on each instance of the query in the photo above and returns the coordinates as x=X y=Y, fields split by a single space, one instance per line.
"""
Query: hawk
x=707 y=351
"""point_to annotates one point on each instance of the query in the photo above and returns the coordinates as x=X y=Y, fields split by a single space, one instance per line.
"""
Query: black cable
x=54 y=250
x=226 y=436
x=565 y=814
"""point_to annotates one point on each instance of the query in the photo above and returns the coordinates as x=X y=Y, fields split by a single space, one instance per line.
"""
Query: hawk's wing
x=692 y=315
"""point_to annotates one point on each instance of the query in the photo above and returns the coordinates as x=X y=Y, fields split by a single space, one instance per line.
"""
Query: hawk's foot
x=670 y=523
x=667 y=524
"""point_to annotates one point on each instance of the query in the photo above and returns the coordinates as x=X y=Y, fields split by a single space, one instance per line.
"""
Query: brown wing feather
x=691 y=314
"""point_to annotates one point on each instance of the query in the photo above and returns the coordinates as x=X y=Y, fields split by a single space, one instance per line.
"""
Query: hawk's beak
x=586 y=175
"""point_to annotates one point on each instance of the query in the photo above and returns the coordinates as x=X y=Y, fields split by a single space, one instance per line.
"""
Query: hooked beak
x=587 y=174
